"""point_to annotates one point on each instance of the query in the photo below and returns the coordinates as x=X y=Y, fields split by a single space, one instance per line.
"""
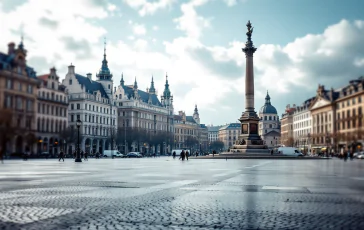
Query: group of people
x=184 y=155
x=83 y=155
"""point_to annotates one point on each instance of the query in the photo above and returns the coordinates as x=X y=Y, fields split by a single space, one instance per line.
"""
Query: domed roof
x=268 y=108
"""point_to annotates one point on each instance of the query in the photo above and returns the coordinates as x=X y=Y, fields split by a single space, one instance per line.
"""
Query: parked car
x=289 y=151
x=134 y=155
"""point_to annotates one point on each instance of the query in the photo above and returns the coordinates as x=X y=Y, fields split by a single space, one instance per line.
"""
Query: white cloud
x=230 y=2
x=190 y=22
x=211 y=76
x=155 y=28
x=146 y=7
x=111 y=7
x=139 y=29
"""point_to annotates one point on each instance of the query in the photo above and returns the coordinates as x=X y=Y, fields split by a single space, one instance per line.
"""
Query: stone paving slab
x=170 y=194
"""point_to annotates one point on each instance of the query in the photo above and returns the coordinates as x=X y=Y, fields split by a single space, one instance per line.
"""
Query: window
x=86 y=106
x=20 y=86
x=8 y=101
x=29 y=105
x=28 y=122
x=78 y=106
x=78 y=116
x=52 y=85
x=85 y=117
x=72 y=118
x=19 y=103
x=30 y=89
x=359 y=99
x=9 y=84
x=72 y=107
x=70 y=81
x=39 y=108
x=353 y=101
x=109 y=86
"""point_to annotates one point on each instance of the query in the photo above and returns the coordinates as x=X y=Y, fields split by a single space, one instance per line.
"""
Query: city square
x=166 y=193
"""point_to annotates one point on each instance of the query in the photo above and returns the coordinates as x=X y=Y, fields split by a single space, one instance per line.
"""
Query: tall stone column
x=249 y=140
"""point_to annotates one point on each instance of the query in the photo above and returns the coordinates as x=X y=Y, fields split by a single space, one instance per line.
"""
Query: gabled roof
x=272 y=133
x=144 y=96
x=190 y=119
x=231 y=126
x=6 y=60
x=90 y=85
x=213 y=128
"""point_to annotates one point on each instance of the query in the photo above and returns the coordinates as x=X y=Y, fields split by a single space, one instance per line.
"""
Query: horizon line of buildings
x=330 y=121
x=44 y=109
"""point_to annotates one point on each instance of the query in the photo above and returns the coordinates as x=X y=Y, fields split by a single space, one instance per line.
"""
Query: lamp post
x=327 y=144
x=64 y=147
x=78 y=154
x=308 y=143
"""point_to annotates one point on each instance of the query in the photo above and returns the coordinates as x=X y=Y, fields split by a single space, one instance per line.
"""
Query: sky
x=300 y=44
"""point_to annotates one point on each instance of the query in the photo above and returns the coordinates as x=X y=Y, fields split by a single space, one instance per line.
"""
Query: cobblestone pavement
x=162 y=193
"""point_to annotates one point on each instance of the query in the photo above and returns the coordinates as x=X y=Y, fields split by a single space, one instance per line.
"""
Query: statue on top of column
x=250 y=30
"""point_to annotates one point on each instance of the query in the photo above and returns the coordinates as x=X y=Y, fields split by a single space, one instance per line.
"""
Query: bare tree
x=217 y=145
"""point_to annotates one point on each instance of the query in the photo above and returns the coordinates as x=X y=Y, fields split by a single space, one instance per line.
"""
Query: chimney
x=71 y=69
x=11 y=48
x=89 y=76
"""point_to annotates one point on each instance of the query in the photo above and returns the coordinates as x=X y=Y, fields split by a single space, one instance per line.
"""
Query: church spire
x=122 y=80
x=135 y=84
x=152 y=89
x=196 y=110
x=104 y=73
x=166 y=92
x=267 y=99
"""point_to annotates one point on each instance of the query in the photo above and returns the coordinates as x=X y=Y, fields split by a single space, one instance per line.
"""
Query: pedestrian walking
x=174 y=154
x=271 y=152
x=61 y=155
x=187 y=154
x=86 y=156
x=182 y=156
x=213 y=153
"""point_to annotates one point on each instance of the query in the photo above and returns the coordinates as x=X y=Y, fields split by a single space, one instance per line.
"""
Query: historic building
x=323 y=119
x=188 y=131
x=91 y=102
x=287 y=138
x=302 y=126
x=138 y=109
x=204 y=137
x=213 y=133
x=349 y=132
x=18 y=96
x=269 y=124
x=52 y=114
x=229 y=134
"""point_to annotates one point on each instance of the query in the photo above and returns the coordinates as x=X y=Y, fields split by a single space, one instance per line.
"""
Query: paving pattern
x=162 y=193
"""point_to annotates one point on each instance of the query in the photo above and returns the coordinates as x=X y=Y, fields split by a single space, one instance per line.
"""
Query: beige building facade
x=228 y=134
x=18 y=97
x=287 y=138
x=52 y=114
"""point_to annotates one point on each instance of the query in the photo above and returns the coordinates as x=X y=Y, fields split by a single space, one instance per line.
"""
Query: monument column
x=249 y=70
x=249 y=140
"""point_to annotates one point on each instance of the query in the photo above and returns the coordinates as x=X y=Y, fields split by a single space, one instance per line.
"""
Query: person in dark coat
x=187 y=155
x=182 y=155
x=174 y=154
x=61 y=155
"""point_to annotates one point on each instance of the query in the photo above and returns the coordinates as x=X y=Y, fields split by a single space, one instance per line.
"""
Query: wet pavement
x=162 y=193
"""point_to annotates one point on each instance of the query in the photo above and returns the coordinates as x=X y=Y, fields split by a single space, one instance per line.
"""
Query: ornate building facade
x=229 y=134
x=213 y=133
x=287 y=138
x=189 y=133
x=18 y=96
x=269 y=124
x=349 y=130
x=91 y=102
x=52 y=113
x=138 y=109
x=302 y=126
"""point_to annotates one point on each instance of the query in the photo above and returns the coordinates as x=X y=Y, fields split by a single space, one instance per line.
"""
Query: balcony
x=41 y=98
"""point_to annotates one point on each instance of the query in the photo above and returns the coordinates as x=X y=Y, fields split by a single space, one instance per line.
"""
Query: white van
x=289 y=151
x=178 y=151
x=109 y=153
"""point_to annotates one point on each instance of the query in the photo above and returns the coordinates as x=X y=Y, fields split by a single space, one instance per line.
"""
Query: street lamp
x=308 y=143
x=327 y=144
x=78 y=154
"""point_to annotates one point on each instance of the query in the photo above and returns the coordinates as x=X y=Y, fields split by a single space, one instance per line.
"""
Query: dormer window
x=109 y=86
x=52 y=85
x=70 y=81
